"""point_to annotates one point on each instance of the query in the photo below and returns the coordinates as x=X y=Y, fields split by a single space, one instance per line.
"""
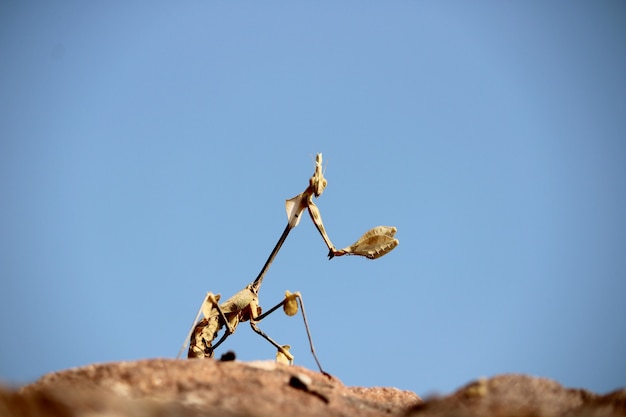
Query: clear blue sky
x=146 y=152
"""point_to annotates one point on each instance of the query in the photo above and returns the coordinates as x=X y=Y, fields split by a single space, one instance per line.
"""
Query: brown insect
x=244 y=306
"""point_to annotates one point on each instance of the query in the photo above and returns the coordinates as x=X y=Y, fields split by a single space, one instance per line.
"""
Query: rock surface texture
x=522 y=396
x=165 y=387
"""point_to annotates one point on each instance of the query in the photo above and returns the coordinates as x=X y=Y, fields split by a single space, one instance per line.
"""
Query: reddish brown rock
x=163 y=387
x=522 y=396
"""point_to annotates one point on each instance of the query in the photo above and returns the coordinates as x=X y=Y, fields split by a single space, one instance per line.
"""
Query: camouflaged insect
x=244 y=306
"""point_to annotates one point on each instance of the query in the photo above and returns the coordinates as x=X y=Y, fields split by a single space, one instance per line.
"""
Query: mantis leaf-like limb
x=375 y=243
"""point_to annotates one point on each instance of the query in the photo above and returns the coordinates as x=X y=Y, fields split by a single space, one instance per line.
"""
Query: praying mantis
x=244 y=305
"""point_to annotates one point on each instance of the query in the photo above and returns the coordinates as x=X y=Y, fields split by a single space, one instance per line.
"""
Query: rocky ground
x=165 y=387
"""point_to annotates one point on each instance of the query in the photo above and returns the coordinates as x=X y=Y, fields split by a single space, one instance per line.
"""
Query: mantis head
x=317 y=182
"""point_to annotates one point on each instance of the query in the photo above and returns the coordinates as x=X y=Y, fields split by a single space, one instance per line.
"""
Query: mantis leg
x=219 y=342
x=280 y=348
x=316 y=216
x=290 y=309
x=256 y=318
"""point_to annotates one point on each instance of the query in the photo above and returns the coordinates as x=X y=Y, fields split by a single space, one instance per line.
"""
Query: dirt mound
x=165 y=387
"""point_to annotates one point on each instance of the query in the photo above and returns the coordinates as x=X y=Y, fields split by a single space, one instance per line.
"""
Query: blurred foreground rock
x=165 y=387
x=522 y=396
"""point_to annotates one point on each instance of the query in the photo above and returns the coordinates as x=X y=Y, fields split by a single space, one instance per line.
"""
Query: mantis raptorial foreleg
x=296 y=205
x=373 y=244
x=316 y=216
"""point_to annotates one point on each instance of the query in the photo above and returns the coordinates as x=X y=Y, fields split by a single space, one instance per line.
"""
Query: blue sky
x=146 y=152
